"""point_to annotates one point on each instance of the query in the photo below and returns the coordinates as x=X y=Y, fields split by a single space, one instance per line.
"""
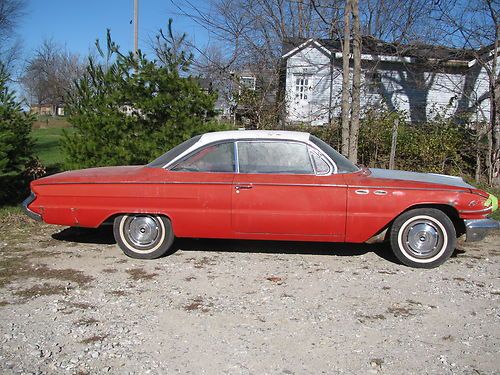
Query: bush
x=438 y=146
x=133 y=111
x=15 y=144
x=15 y=126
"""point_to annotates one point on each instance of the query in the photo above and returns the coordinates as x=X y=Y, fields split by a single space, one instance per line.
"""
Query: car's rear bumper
x=476 y=230
x=27 y=211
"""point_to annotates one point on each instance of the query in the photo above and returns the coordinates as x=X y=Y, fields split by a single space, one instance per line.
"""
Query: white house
x=420 y=80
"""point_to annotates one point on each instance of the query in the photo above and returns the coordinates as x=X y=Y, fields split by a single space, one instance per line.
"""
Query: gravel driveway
x=72 y=303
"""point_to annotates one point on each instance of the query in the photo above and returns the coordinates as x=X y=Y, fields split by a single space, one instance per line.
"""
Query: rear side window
x=274 y=157
x=344 y=165
x=173 y=153
x=320 y=164
x=213 y=158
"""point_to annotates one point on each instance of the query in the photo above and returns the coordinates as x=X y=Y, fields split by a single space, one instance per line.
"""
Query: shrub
x=439 y=146
x=15 y=126
x=133 y=110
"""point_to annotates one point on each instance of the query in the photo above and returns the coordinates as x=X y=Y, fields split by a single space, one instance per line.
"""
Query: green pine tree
x=15 y=127
x=132 y=110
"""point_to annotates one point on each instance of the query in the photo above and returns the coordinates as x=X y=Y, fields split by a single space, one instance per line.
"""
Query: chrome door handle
x=243 y=186
x=362 y=191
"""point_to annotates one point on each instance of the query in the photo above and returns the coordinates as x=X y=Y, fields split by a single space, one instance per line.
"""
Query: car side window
x=274 y=157
x=213 y=158
x=320 y=164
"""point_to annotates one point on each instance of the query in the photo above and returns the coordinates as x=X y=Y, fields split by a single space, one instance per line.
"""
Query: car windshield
x=344 y=165
x=170 y=155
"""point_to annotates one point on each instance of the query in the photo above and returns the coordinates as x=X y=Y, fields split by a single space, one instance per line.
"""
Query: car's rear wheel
x=423 y=238
x=143 y=236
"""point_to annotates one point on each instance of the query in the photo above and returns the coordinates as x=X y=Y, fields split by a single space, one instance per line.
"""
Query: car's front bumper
x=477 y=229
x=27 y=211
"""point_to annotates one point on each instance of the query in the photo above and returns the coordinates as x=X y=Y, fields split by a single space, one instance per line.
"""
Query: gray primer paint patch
x=420 y=177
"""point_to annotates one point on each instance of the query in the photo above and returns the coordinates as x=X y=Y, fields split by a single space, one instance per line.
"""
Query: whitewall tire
x=423 y=238
x=143 y=236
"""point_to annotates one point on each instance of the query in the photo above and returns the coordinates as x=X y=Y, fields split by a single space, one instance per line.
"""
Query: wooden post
x=392 y=158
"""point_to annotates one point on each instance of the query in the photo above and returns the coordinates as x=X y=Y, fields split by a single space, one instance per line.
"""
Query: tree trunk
x=356 y=83
x=346 y=52
x=478 y=157
x=495 y=126
x=392 y=157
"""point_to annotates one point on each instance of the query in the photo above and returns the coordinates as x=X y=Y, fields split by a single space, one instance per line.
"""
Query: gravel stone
x=243 y=307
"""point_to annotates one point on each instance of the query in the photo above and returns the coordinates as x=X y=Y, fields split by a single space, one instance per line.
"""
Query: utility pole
x=136 y=27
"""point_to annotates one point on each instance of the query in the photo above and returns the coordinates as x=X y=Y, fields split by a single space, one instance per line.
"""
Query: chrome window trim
x=236 y=157
x=310 y=145
x=331 y=170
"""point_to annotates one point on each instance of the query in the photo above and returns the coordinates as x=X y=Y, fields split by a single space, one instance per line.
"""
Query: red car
x=266 y=185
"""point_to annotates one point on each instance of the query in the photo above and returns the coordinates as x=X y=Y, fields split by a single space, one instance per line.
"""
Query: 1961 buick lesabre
x=266 y=185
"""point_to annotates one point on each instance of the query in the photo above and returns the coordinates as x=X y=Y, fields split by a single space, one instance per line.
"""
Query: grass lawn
x=47 y=145
x=48 y=122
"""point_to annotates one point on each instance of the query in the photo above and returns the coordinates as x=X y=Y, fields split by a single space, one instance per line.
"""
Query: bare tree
x=346 y=57
x=50 y=74
x=250 y=35
x=397 y=21
x=356 y=84
x=11 y=11
x=475 y=24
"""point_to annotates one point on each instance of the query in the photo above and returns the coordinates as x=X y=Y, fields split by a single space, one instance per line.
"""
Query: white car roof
x=242 y=134
x=252 y=134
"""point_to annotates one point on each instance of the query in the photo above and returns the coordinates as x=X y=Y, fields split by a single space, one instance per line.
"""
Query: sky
x=76 y=24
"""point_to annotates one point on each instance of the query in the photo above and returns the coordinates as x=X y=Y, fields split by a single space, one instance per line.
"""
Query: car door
x=200 y=189
x=278 y=194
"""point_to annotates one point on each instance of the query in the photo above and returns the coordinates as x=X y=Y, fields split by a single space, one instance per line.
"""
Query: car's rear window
x=170 y=155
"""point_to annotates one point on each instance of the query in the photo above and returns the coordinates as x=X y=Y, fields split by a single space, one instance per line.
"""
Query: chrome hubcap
x=143 y=231
x=423 y=238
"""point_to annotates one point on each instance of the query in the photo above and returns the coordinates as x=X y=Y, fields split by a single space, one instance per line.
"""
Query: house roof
x=373 y=46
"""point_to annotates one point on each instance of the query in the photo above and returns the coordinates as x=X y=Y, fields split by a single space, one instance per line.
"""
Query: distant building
x=420 y=80
x=47 y=109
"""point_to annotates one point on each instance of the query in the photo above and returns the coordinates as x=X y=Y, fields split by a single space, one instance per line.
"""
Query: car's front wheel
x=143 y=236
x=423 y=238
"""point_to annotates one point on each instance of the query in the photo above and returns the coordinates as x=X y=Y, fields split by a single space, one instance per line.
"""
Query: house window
x=248 y=82
x=301 y=87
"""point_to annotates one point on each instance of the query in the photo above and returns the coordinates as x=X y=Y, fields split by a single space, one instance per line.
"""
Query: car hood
x=431 y=178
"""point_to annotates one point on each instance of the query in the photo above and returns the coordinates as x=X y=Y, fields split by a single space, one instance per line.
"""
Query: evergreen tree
x=15 y=127
x=134 y=109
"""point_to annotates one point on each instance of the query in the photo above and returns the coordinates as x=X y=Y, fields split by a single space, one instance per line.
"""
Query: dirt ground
x=72 y=303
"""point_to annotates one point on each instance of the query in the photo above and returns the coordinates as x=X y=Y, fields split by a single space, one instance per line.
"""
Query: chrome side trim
x=407 y=188
x=477 y=229
x=27 y=211
x=192 y=183
x=285 y=184
x=484 y=210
